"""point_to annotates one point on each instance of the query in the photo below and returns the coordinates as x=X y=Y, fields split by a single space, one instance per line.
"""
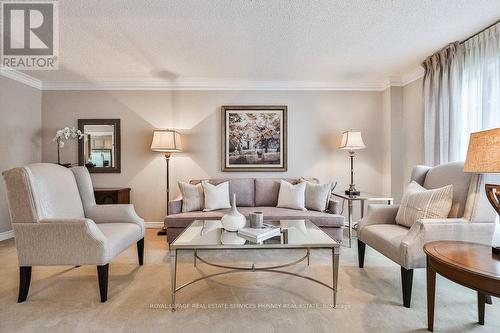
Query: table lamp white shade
x=352 y=140
x=483 y=154
x=166 y=141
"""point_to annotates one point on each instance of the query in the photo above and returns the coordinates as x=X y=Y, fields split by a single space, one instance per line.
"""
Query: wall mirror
x=99 y=150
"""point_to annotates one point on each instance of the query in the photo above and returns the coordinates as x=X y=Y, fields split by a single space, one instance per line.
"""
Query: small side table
x=469 y=264
x=112 y=195
x=364 y=196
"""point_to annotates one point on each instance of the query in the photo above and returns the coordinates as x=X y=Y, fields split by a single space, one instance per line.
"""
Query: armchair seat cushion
x=119 y=236
x=385 y=238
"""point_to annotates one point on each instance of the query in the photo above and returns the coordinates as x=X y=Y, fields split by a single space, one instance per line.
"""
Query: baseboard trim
x=153 y=225
x=6 y=235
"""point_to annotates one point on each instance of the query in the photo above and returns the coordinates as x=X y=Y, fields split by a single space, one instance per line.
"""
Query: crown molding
x=413 y=75
x=212 y=84
x=409 y=77
x=21 y=77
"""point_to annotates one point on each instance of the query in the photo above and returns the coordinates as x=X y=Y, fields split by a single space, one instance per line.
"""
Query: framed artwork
x=254 y=138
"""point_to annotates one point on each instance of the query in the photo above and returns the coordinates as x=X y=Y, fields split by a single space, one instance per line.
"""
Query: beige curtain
x=442 y=103
x=462 y=95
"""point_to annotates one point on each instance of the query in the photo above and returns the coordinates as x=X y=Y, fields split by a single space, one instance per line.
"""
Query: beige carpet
x=65 y=299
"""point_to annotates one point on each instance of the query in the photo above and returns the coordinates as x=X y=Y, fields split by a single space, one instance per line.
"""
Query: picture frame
x=254 y=138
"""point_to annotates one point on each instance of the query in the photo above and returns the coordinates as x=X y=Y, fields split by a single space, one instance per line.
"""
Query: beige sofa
x=255 y=194
x=471 y=219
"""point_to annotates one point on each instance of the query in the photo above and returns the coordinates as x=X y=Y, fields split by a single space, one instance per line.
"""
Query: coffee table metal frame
x=174 y=249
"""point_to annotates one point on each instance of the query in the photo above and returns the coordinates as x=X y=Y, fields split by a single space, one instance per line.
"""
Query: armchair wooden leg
x=361 y=254
x=102 y=276
x=24 y=282
x=406 y=282
x=140 y=251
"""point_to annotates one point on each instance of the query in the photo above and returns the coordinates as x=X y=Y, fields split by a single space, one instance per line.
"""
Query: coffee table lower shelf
x=235 y=269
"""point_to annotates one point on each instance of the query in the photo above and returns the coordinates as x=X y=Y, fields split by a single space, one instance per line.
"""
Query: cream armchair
x=471 y=219
x=57 y=222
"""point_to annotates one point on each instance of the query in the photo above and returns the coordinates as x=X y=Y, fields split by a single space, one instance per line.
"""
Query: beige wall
x=406 y=108
x=316 y=121
x=413 y=126
x=397 y=141
x=20 y=127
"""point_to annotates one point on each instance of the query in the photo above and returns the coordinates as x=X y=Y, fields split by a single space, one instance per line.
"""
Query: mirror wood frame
x=81 y=150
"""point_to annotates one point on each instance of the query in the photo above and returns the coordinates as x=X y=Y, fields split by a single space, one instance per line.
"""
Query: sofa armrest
x=60 y=242
x=124 y=213
x=175 y=206
x=378 y=214
x=334 y=207
x=428 y=230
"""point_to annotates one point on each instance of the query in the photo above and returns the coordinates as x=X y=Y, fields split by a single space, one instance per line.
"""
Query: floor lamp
x=167 y=142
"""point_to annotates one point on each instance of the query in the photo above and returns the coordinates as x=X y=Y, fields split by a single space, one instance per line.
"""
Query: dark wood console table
x=469 y=264
x=112 y=195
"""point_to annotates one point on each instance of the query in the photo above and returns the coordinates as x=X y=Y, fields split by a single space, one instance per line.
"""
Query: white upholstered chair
x=57 y=222
x=471 y=219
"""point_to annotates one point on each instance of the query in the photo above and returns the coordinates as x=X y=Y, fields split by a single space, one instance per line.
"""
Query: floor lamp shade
x=166 y=141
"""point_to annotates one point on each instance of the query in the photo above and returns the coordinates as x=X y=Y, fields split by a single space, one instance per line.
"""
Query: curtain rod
x=477 y=33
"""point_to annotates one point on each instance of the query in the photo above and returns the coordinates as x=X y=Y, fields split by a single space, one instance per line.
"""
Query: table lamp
x=351 y=141
x=167 y=142
x=483 y=156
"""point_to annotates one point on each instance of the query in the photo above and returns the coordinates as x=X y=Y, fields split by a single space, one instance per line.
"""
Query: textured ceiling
x=257 y=40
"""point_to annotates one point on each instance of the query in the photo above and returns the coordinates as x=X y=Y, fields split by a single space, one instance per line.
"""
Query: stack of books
x=258 y=235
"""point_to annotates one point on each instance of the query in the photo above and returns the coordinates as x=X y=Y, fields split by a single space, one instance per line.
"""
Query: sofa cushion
x=318 y=218
x=182 y=220
x=267 y=190
x=244 y=188
x=270 y=213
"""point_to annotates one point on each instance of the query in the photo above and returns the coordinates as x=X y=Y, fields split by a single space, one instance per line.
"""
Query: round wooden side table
x=469 y=264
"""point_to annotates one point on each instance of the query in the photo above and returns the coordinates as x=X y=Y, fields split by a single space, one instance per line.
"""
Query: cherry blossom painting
x=254 y=138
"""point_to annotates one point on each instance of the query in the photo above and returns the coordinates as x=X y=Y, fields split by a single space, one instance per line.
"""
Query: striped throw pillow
x=420 y=203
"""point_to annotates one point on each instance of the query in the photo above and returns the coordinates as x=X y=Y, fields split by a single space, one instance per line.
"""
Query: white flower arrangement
x=66 y=133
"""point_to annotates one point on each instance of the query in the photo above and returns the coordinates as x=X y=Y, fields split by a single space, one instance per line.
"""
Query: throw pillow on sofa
x=292 y=196
x=317 y=195
x=192 y=197
x=216 y=196
x=419 y=203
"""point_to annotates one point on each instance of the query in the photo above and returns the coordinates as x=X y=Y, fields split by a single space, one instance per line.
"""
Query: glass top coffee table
x=294 y=234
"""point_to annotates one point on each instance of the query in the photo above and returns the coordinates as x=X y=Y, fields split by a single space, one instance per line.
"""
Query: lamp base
x=352 y=190
x=162 y=232
x=493 y=195
x=352 y=193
